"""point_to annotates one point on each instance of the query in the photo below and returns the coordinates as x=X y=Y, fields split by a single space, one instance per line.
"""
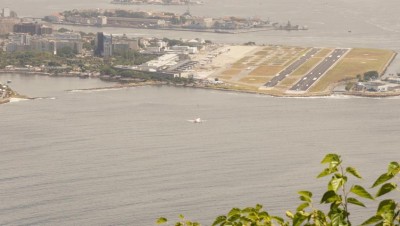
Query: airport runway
x=311 y=77
x=291 y=68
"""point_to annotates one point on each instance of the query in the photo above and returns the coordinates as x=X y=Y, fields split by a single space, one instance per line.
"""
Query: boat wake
x=14 y=100
x=197 y=120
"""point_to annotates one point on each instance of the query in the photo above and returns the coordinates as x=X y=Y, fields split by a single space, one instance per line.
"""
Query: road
x=291 y=68
x=312 y=76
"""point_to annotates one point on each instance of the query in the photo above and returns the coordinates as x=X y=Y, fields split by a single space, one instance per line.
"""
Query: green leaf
x=336 y=183
x=386 y=206
x=360 y=191
x=386 y=188
x=305 y=194
x=373 y=220
x=320 y=219
x=355 y=202
x=234 y=211
x=278 y=219
x=338 y=219
x=289 y=214
x=331 y=158
x=324 y=173
x=382 y=179
x=253 y=217
x=181 y=217
x=329 y=197
x=303 y=206
x=394 y=168
x=161 y=220
x=259 y=207
x=248 y=210
x=219 y=220
x=305 y=199
x=243 y=221
x=298 y=219
x=353 y=172
x=233 y=218
x=264 y=215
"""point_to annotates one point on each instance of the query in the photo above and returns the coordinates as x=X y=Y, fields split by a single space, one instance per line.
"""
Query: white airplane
x=197 y=120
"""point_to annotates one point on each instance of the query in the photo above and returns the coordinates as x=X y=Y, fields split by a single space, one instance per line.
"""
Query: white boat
x=197 y=120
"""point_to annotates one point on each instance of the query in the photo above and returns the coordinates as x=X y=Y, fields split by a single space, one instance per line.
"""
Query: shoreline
x=224 y=89
x=214 y=31
x=120 y=85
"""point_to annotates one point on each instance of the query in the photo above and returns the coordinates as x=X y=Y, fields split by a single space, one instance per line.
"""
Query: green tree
x=371 y=75
x=63 y=30
x=339 y=197
x=66 y=51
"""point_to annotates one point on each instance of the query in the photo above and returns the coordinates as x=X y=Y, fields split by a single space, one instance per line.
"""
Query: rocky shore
x=7 y=94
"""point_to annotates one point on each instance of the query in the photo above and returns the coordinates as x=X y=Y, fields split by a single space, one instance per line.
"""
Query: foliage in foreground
x=339 y=196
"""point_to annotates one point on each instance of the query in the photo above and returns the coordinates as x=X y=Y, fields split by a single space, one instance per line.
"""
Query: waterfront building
x=183 y=50
x=125 y=42
x=135 y=22
x=161 y=63
x=74 y=36
x=153 y=49
x=103 y=45
x=43 y=45
x=44 y=30
x=20 y=39
x=120 y=47
x=17 y=42
x=76 y=46
x=32 y=28
x=101 y=20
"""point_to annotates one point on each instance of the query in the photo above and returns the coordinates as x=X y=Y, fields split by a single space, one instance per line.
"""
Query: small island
x=7 y=94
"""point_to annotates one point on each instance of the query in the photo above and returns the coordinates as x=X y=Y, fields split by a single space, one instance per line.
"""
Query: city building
x=101 y=20
x=73 y=36
x=103 y=45
x=32 y=28
x=120 y=42
x=183 y=50
x=7 y=25
x=76 y=46
x=135 y=22
x=43 y=45
x=6 y=12
x=161 y=63
x=17 y=42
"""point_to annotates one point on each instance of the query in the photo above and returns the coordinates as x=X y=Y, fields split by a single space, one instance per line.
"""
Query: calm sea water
x=125 y=157
x=128 y=156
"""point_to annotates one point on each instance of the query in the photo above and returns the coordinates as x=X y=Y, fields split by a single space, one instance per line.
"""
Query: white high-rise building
x=6 y=12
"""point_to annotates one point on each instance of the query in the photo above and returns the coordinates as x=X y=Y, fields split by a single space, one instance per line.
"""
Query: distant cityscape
x=34 y=46
x=157 y=2
x=166 y=20
x=168 y=57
